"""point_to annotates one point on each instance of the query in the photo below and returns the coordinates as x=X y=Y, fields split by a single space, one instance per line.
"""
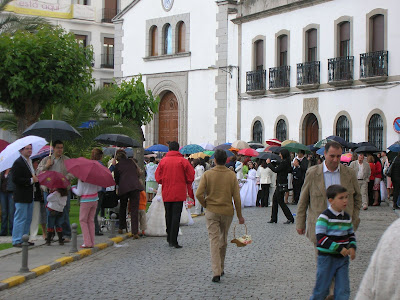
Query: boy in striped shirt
x=335 y=243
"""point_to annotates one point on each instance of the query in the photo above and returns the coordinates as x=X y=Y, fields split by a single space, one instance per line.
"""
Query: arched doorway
x=311 y=129
x=168 y=119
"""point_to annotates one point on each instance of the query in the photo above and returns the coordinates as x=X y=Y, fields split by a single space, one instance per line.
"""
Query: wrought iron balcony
x=255 y=82
x=109 y=14
x=107 y=61
x=279 y=79
x=374 y=66
x=308 y=75
x=340 y=70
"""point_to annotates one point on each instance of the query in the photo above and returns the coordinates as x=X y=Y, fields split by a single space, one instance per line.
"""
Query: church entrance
x=168 y=119
x=311 y=129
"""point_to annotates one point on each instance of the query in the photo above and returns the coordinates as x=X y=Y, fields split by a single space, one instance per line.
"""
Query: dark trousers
x=279 y=199
x=297 y=184
x=262 y=196
x=370 y=192
x=396 y=192
x=97 y=228
x=173 y=212
x=133 y=196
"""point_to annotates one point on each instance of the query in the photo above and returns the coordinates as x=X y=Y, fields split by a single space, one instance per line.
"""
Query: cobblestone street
x=279 y=264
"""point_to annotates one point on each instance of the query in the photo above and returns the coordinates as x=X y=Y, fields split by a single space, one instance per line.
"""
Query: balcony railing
x=374 y=64
x=107 y=61
x=279 y=78
x=109 y=14
x=308 y=73
x=340 y=69
x=255 y=80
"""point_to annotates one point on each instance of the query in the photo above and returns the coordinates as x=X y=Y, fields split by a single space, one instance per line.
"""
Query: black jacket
x=396 y=170
x=282 y=170
x=21 y=176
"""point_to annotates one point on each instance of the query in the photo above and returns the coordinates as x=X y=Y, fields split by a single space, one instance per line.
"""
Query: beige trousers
x=364 y=192
x=218 y=229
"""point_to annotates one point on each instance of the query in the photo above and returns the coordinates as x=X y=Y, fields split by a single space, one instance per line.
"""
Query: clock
x=167 y=4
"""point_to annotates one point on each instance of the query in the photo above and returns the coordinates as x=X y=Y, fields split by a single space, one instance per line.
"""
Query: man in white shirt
x=363 y=171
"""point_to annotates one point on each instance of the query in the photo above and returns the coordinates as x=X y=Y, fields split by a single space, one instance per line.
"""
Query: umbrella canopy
x=240 y=144
x=312 y=148
x=351 y=145
x=260 y=150
x=273 y=149
x=209 y=153
x=45 y=151
x=158 y=148
x=190 y=149
x=53 y=180
x=321 y=151
x=90 y=171
x=321 y=143
x=207 y=146
x=228 y=153
x=198 y=155
x=395 y=147
x=369 y=149
x=255 y=145
x=3 y=144
x=271 y=156
x=273 y=142
x=287 y=142
x=346 y=157
x=223 y=147
x=52 y=130
x=248 y=152
x=119 y=140
x=338 y=139
x=110 y=151
x=11 y=152
x=296 y=147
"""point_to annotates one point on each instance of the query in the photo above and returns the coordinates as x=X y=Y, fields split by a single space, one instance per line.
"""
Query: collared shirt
x=360 y=171
x=336 y=213
x=331 y=178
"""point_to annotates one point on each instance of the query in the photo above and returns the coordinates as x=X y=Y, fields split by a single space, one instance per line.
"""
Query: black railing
x=340 y=68
x=279 y=77
x=109 y=14
x=374 y=64
x=107 y=61
x=308 y=73
x=255 y=80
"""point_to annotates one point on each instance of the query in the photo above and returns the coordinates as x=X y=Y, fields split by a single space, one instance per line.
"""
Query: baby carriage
x=110 y=205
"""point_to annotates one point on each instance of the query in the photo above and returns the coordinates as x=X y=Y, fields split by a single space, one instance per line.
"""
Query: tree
x=40 y=69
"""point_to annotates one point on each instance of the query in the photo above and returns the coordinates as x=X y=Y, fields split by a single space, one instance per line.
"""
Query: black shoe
x=270 y=221
x=288 y=222
x=216 y=279
x=99 y=233
x=31 y=244
x=177 y=246
x=222 y=273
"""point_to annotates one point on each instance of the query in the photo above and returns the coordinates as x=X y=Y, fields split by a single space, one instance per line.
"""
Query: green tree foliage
x=41 y=69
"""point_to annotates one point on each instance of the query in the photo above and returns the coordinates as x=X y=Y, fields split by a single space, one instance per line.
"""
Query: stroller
x=111 y=205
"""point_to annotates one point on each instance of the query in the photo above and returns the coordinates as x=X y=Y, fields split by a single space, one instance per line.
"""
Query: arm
x=239 y=167
x=367 y=172
x=116 y=175
x=201 y=190
x=238 y=202
x=78 y=189
x=159 y=172
x=189 y=172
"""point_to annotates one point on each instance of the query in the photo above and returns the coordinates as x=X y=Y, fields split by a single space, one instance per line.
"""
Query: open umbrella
x=158 y=148
x=271 y=156
x=3 y=144
x=119 y=140
x=226 y=146
x=52 y=130
x=367 y=149
x=346 y=157
x=260 y=150
x=53 y=180
x=90 y=171
x=395 y=147
x=273 y=142
x=190 y=149
x=110 y=151
x=45 y=151
x=248 y=152
x=11 y=152
x=228 y=153
x=207 y=146
x=198 y=155
x=255 y=145
x=338 y=139
x=273 y=149
x=209 y=153
x=321 y=151
x=286 y=142
x=240 y=144
x=296 y=147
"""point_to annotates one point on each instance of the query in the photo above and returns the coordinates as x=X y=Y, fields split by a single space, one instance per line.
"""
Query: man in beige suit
x=363 y=171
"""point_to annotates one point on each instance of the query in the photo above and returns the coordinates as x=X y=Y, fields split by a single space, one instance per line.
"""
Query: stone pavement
x=279 y=264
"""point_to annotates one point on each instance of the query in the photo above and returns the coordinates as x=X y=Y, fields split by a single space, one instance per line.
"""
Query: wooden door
x=168 y=119
x=312 y=129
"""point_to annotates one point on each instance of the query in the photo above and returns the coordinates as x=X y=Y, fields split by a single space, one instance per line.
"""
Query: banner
x=44 y=8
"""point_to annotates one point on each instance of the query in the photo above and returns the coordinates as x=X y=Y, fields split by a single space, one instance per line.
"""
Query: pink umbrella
x=3 y=144
x=248 y=152
x=53 y=180
x=90 y=171
x=273 y=142
x=346 y=157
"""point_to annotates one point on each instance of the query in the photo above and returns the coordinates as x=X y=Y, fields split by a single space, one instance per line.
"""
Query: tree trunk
x=139 y=152
x=28 y=115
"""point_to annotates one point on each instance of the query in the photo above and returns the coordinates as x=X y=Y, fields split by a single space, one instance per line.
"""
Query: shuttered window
x=312 y=45
x=378 y=34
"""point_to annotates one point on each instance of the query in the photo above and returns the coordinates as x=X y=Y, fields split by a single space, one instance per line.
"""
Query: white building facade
x=254 y=70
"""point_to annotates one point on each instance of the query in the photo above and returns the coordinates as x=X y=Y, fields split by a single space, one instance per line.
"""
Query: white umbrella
x=240 y=144
x=207 y=146
x=11 y=152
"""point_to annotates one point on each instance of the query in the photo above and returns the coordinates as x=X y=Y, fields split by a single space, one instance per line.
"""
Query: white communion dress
x=249 y=190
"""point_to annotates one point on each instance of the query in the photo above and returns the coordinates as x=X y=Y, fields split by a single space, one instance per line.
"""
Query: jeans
x=7 y=212
x=54 y=221
x=66 y=227
x=329 y=267
x=22 y=221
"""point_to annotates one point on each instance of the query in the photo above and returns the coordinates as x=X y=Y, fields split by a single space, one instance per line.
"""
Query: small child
x=55 y=205
x=142 y=213
x=335 y=242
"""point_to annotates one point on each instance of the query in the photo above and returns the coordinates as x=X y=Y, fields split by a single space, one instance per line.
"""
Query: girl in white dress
x=248 y=193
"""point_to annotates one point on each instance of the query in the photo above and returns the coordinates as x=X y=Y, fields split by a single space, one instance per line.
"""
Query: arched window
x=375 y=131
x=181 y=29
x=378 y=33
x=283 y=50
x=311 y=45
x=281 y=129
x=343 y=128
x=344 y=39
x=257 y=132
x=259 y=54
x=167 y=39
x=153 y=41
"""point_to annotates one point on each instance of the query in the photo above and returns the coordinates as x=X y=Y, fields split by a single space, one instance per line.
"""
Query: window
x=154 y=41
x=311 y=39
x=167 y=39
x=259 y=54
x=181 y=37
x=281 y=130
x=344 y=39
x=81 y=39
x=378 y=34
x=283 y=50
x=257 y=132
x=343 y=128
x=82 y=2
x=375 y=131
x=107 y=59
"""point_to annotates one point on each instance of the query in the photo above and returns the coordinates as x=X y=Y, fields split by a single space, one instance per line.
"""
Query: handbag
x=388 y=172
x=283 y=187
x=110 y=199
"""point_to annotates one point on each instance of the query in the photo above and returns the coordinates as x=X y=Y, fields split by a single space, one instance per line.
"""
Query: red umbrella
x=3 y=144
x=53 y=180
x=248 y=152
x=90 y=171
x=273 y=142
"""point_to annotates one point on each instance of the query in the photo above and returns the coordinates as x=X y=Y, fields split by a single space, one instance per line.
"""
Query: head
x=63 y=192
x=250 y=165
x=301 y=153
x=263 y=163
x=220 y=157
x=361 y=158
x=120 y=155
x=35 y=163
x=333 y=153
x=383 y=154
x=97 y=154
x=370 y=159
x=26 y=151
x=206 y=159
x=196 y=161
x=173 y=146
x=337 y=196
x=152 y=159
x=58 y=148
x=296 y=162
x=284 y=154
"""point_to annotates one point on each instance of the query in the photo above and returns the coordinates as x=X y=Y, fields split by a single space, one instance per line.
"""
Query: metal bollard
x=74 y=238
x=113 y=217
x=25 y=245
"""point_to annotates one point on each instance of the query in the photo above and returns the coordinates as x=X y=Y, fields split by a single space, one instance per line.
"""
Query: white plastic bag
x=383 y=189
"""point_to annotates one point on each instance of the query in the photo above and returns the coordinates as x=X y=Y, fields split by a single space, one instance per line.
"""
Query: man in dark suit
x=24 y=179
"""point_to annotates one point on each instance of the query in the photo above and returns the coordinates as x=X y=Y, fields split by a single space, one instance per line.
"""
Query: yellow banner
x=44 y=8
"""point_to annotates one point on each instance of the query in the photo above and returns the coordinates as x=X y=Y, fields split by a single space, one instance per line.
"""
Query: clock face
x=167 y=4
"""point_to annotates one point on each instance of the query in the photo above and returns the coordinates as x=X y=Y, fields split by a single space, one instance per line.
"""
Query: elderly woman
x=126 y=175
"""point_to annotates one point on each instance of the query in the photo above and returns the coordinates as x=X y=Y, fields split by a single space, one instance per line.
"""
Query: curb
x=62 y=261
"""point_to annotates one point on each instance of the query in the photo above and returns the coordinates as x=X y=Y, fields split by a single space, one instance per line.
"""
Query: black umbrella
x=312 y=148
x=370 y=149
x=223 y=147
x=255 y=145
x=271 y=156
x=338 y=139
x=275 y=149
x=52 y=130
x=351 y=145
x=119 y=140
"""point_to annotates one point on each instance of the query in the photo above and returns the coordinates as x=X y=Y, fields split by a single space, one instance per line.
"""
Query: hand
x=49 y=163
x=113 y=162
x=241 y=220
x=344 y=252
x=268 y=161
x=301 y=231
x=352 y=253
x=34 y=178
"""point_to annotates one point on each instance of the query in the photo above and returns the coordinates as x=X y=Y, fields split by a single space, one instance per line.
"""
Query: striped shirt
x=334 y=232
